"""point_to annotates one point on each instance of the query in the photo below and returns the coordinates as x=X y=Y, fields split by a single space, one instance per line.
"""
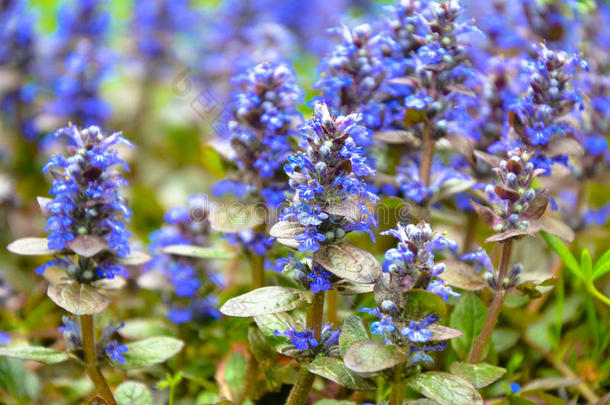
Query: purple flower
x=302 y=340
x=310 y=239
x=115 y=351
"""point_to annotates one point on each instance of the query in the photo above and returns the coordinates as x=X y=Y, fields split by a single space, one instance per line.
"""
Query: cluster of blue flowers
x=17 y=59
x=87 y=204
x=538 y=116
x=329 y=174
x=307 y=345
x=105 y=346
x=155 y=24
x=411 y=264
x=193 y=282
x=315 y=279
x=513 y=200
x=78 y=62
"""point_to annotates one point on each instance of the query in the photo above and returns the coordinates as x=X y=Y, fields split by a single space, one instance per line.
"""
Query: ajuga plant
x=89 y=243
x=410 y=301
x=515 y=210
x=257 y=140
x=179 y=249
x=330 y=200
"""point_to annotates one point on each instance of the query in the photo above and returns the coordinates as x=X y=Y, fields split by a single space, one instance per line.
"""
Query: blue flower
x=384 y=326
x=115 y=351
x=302 y=340
x=479 y=258
x=440 y=288
x=417 y=331
x=310 y=239
x=319 y=279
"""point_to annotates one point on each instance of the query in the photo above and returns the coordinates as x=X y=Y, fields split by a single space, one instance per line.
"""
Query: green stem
x=92 y=369
x=398 y=386
x=300 y=390
x=495 y=308
x=595 y=292
x=258 y=280
x=332 y=304
x=427 y=155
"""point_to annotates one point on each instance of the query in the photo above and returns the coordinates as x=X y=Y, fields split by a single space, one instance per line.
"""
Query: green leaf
x=445 y=388
x=564 y=254
x=134 y=258
x=468 y=316
x=285 y=233
x=549 y=383
x=30 y=247
x=35 y=353
x=268 y=324
x=231 y=375
x=237 y=217
x=78 y=299
x=198 y=252
x=586 y=265
x=132 y=392
x=479 y=375
x=88 y=245
x=141 y=328
x=369 y=356
x=421 y=303
x=212 y=161
x=461 y=275
x=267 y=300
x=333 y=369
x=349 y=262
x=17 y=381
x=259 y=346
x=353 y=330
x=333 y=402
x=602 y=265
x=146 y=352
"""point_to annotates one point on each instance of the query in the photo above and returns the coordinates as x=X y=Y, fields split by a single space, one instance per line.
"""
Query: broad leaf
x=549 y=383
x=468 y=316
x=267 y=300
x=333 y=369
x=88 y=245
x=231 y=373
x=285 y=232
x=349 y=262
x=135 y=258
x=268 y=324
x=78 y=299
x=141 y=328
x=564 y=254
x=198 y=252
x=440 y=332
x=353 y=330
x=133 y=393
x=31 y=247
x=461 y=275
x=421 y=303
x=480 y=375
x=369 y=356
x=445 y=388
x=237 y=217
x=146 y=352
x=259 y=346
x=35 y=353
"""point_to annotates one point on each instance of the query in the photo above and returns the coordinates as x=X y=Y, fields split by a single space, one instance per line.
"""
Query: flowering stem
x=258 y=280
x=300 y=390
x=494 y=309
x=93 y=370
x=398 y=386
x=427 y=155
x=332 y=306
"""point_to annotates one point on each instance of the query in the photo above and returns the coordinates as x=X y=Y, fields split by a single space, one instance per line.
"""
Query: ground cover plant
x=322 y=202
